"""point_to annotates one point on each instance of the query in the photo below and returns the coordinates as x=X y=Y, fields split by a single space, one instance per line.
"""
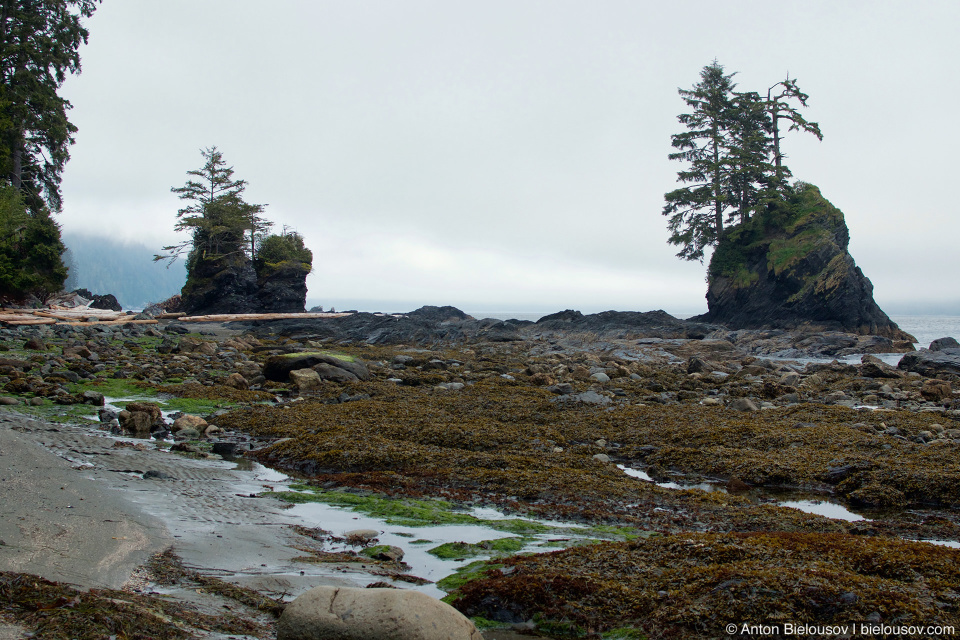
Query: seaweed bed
x=695 y=584
x=714 y=556
x=57 y=611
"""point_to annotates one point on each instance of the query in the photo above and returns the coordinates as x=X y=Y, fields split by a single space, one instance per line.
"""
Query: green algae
x=467 y=573
x=500 y=546
x=404 y=512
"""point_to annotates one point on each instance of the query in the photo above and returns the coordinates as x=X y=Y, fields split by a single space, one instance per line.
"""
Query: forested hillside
x=126 y=270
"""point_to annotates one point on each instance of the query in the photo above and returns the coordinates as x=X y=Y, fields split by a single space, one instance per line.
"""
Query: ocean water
x=926 y=329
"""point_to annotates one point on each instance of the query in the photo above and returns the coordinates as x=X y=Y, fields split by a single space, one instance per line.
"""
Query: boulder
x=874 y=367
x=743 y=404
x=135 y=423
x=94 y=398
x=941 y=344
x=790 y=269
x=931 y=363
x=188 y=421
x=305 y=379
x=278 y=368
x=372 y=614
x=336 y=374
x=156 y=415
x=236 y=381
x=936 y=390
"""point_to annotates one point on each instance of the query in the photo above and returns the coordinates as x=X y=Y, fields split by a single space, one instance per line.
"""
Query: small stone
x=600 y=377
x=791 y=379
x=602 y=457
x=306 y=380
x=366 y=535
x=236 y=381
x=390 y=554
x=188 y=422
x=153 y=474
x=743 y=404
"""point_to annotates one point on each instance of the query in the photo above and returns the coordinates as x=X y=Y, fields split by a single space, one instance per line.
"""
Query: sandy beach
x=77 y=509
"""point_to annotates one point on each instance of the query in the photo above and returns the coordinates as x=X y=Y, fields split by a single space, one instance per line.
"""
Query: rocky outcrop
x=282 y=289
x=790 y=269
x=220 y=286
x=274 y=282
x=658 y=324
x=448 y=325
x=107 y=301
x=927 y=362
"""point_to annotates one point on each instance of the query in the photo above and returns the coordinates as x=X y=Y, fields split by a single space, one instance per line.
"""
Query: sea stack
x=789 y=268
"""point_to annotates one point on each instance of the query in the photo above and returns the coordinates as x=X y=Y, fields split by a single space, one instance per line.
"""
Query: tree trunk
x=16 y=177
x=776 y=146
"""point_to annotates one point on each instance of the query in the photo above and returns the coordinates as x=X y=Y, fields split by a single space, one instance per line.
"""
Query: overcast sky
x=512 y=155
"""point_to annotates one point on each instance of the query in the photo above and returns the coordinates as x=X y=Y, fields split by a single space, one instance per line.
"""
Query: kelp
x=695 y=584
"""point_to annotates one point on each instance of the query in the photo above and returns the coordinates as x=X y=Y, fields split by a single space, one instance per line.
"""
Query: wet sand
x=77 y=509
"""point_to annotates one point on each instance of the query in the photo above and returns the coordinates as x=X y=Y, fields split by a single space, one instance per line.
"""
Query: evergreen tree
x=746 y=160
x=734 y=162
x=39 y=46
x=221 y=222
x=696 y=210
x=30 y=249
x=779 y=108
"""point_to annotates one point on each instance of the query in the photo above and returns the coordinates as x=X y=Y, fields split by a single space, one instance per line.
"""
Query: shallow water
x=823 y=508
x=814 y=505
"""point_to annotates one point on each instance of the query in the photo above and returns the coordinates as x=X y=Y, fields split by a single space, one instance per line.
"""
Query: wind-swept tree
x=747 y=168
x=696 y=210
x=734 y=165
x=779 y=108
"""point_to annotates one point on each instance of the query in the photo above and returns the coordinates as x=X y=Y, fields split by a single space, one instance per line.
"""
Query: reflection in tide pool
x=817 y=507
x=643 y=475
x=824 y=508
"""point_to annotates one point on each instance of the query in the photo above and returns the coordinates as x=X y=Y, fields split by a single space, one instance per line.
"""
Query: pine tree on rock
x=217 y=215
x=696 y=211
x=779 y=108
x=734 y=165
x=747 y=166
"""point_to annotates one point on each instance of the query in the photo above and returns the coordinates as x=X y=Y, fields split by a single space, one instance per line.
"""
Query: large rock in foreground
x=372 y=614
x=792 y=270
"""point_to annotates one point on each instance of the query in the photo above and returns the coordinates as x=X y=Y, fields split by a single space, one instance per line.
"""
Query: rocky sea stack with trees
x=780 y=256
x=233 y=264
